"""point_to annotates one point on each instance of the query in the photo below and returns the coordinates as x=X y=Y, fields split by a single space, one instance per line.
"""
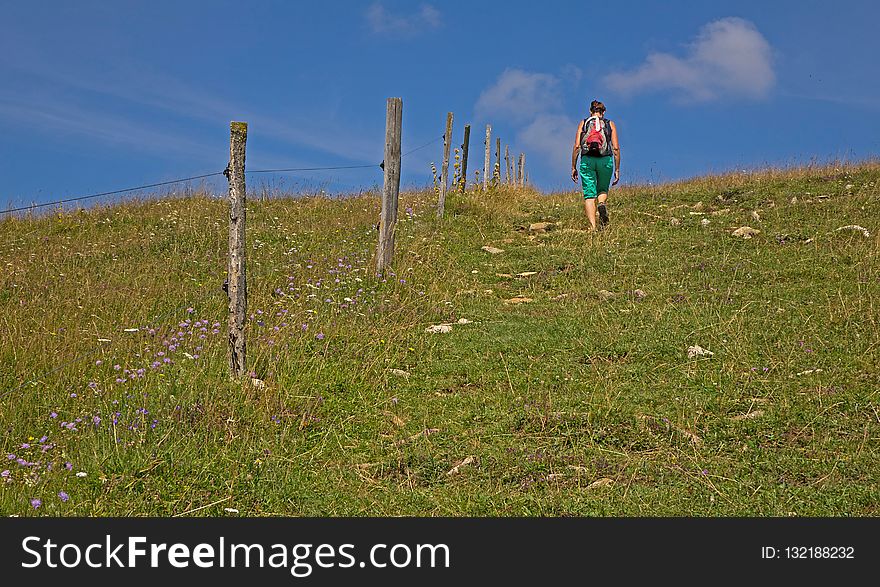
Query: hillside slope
x=563 y=388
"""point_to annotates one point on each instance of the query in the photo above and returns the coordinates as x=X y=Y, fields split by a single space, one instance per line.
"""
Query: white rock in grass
x=399 y=373
x=603 y=482
x=540 y=227
x=492 y=250
x=674 y=221
x=604 y=294
x=755 y=216
x=857 y=228
x=698 y=351
x=746 y=232
x=518 y=300
x=704 y=222
x=258 y=383
x=439 y=329
x=463 y=321
x=467 y=461
x=748 y=416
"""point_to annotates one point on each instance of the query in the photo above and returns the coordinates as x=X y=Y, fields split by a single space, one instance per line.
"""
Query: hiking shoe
x=603 y=214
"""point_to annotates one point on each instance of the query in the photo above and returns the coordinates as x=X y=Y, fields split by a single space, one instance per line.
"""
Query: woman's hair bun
x=597 y=106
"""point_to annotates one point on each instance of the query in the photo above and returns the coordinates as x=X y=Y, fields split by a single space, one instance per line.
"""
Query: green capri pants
x=596 y=175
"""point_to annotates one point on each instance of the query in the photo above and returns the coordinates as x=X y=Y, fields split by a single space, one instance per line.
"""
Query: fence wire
x=87 y=354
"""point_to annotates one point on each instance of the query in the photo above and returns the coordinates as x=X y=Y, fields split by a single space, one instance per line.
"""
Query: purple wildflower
x=36 y=503
x=63 y=495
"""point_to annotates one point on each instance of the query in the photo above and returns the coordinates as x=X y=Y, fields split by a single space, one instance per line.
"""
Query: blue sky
x=102 y=95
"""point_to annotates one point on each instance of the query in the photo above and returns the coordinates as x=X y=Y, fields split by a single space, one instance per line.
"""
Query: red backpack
x=596 y=137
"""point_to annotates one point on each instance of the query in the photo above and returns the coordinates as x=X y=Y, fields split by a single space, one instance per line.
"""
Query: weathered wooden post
x=497 y=171
x=507 y=163
x=235 y=271
x=522 y=169
x=444 y=169
x=464 y=156
x=391 y=187
x=488 y=153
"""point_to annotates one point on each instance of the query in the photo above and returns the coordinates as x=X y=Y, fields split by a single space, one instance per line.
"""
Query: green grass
x=565 y=405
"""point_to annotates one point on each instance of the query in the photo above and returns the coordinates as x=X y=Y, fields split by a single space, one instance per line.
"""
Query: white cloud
x=140 y=86
x=551 y=137
x=519 y=95
x=729 y=58
x=56 y=118
x=531 y=102
x=381 y=21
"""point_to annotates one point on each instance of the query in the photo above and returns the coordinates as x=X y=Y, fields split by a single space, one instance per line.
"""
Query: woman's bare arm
x=575 y=151
x=615 y=148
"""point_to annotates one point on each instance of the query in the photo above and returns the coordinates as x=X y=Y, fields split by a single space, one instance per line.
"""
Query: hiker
x=596 y=142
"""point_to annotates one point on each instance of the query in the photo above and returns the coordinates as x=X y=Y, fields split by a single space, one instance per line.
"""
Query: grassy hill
x=569 y=391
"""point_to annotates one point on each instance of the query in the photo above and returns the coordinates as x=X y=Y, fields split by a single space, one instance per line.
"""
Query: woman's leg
x=588 y=183
x=604 y=171
x=603 y=210
x=590 y=211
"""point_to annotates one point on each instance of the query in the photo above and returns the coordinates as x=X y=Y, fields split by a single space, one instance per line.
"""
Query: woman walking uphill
x=596 y=142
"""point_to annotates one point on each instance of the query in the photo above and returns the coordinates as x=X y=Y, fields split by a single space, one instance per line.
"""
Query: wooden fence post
x=391 y=187
x=497 y=171
x=488 y=153
x=507 y=164
x=236 y=276
x=464 y=156
x=522 y=170
x=444 y=169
